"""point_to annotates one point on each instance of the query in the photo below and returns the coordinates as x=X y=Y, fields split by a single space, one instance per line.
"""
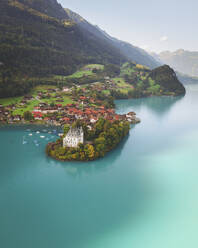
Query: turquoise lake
x=144 y=194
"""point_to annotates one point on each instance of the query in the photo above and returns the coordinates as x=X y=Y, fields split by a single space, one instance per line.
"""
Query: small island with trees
x=79 y=143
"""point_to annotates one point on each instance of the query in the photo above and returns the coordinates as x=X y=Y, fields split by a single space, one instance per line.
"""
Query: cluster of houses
x=86 y=108
x=108 y=85
x=61 y=115
x=4 y=113
x=7 y=117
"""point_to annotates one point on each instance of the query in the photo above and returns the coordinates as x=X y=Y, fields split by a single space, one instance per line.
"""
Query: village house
x=17 y=118
x=74 y=137
x=65 y=89
x=37 y=115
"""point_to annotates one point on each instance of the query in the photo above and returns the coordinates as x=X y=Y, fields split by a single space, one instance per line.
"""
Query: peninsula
x=80 y=143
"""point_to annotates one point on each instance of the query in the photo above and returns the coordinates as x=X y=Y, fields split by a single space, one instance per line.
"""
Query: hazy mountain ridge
x=181 y=60
x=186 y=79
x=133 y=53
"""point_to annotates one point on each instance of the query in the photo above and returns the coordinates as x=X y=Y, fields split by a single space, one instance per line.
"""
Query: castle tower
x=74 y=137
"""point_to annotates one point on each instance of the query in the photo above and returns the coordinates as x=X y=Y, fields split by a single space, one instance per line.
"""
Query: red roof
x=66 y=119
x=36 y=112
x=38 y=115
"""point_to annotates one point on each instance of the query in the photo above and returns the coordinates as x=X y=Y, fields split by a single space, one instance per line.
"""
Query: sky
x=154 y=25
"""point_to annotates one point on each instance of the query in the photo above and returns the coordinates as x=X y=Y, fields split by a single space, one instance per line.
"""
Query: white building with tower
x=74 y=137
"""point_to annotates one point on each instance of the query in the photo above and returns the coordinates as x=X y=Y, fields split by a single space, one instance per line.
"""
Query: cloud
x=163 y=38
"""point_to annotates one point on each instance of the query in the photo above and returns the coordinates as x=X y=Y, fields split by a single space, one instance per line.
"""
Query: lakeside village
x=49 y=107
x=91 y=126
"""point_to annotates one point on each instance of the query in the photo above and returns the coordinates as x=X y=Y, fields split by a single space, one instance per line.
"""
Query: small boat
x=37 y=132
x=24 y=141
x=42 y=137
x=30 y=134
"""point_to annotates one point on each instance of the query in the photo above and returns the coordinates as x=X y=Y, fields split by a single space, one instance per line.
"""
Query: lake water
x=144 y=194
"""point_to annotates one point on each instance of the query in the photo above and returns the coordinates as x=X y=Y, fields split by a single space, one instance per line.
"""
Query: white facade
x=74 y=137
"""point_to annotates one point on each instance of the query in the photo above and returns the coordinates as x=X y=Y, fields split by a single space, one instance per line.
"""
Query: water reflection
x=159 y=105
x=79 y=169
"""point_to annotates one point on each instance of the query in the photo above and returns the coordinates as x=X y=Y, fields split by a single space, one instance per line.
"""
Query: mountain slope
x=38 y=38
x=183 y=61
x=131 y=52
x=159 y=81
x=167 y=79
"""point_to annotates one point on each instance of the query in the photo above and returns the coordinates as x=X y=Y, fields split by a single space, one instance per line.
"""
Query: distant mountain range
x=185 y=64
x=183 y=61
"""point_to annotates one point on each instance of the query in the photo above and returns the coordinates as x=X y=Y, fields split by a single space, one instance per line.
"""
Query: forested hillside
x=37 y=38
x=42 y=43
x=133 y=53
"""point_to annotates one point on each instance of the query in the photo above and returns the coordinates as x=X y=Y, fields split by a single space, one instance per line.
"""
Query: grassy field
x=125 y=91
x=9 y=101
x=92 y=66
x=126 y=70
x=66 y=100
x=44 y=87
x=52 y=99
x=80 y=74
x=84 y=71
x=122 y=85
x=31 y=104
x=106 y=92
x=29 y=107
x=120 y=82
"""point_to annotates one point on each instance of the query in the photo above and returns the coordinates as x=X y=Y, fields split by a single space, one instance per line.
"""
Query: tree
x=66 y=128
x=89 y=151
x=99 y=126
x=52 y=104
x=112 y=70
x=28 y=116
